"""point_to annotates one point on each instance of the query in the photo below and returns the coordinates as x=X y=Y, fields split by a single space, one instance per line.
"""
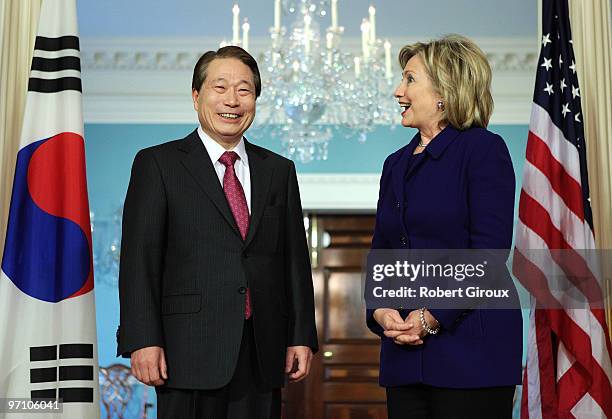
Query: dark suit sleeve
x=378 y=242
x=491 y=189
x=491 y=197
x=302 y=328
x=142 y=251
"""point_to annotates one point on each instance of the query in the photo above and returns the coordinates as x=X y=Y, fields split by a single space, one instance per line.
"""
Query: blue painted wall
x=110 y=151
x=195 y=18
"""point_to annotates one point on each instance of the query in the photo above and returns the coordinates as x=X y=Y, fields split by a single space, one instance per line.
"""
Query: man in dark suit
x=215 y=283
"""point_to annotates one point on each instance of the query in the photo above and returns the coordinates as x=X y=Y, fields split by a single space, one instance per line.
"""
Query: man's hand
x=303 y=355
x=149 y=365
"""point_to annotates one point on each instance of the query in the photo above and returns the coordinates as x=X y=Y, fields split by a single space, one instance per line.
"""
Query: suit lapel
x=398 y=175
x=441 y=142
x=261 y=175
x=198 y=164
x=399 y=169
x=413 y=166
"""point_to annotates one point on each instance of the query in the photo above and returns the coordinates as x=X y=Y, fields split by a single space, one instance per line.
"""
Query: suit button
x=242 y=290
x=404 y=241
x=245 y=255
x=397 y=204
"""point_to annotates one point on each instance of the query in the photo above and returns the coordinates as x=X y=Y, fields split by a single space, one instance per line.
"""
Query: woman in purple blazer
x=451 y=187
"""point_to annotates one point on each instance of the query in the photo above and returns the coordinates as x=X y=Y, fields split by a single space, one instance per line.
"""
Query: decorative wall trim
x=504 y=54
x=149 y=80
x=355 y=192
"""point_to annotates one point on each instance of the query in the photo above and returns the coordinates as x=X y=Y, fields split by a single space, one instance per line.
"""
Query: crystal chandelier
x=314 y=91
x=106 y=234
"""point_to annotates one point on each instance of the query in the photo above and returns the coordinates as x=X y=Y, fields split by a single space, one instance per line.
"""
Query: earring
x=440 y=105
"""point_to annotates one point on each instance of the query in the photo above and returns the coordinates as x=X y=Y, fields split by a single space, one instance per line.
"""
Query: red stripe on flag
x=536 y=218
x=548 y=393
x=572 y=387
x=562 y=182
x=533 y=280
x=578 y=342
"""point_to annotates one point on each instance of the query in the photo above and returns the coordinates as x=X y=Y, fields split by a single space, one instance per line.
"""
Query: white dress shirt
x=215 y=150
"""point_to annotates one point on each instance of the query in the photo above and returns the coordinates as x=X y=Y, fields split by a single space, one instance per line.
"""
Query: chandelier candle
x=329 y=43
x=307 y=21
x=388 y=72
x=277 y=16
x=245 y=35
x=334 y=15
x=372 y=12
x=236 y=25
x=365 y=39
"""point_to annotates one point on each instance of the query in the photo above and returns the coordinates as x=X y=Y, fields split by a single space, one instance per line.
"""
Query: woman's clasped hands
x=408 y=331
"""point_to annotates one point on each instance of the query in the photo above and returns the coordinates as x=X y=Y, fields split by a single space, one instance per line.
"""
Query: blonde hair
x=461 y=74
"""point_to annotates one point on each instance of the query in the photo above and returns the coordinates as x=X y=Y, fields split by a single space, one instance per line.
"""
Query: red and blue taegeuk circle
x=47 y=252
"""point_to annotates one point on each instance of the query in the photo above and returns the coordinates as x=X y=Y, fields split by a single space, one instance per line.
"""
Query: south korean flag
x=47 y=305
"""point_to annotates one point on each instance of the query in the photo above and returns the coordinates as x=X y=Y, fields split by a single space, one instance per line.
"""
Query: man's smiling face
x=226 y=101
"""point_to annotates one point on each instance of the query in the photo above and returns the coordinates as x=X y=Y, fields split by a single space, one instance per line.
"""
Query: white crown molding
x=129 y=80
x=356 y=192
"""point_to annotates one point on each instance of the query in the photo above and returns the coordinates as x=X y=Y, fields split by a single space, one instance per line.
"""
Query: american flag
x=569 y=370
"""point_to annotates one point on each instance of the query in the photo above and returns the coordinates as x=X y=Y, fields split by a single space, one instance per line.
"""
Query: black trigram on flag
x=56 y=65
x=53 y=381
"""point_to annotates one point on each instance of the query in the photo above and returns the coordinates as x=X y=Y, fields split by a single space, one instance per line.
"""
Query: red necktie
x=238 y=204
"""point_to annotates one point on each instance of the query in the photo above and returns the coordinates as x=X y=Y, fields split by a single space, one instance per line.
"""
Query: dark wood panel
x=353 y=392
x=367 y=352
x=342 y=258
x=345 y=307
x=356 y=411
x=348 y=373
x=351 y=239
x=347 y=222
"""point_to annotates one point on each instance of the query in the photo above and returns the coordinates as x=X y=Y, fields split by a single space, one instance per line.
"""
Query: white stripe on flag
x=537 y=186
x=534 y=402
x=565 y=360
x=52 y=75
x=56 y=54
x=542 y=126
x=587 y=408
